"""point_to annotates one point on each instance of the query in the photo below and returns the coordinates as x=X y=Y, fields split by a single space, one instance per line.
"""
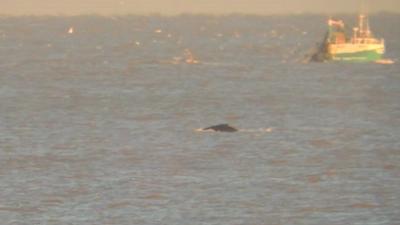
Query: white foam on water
x=202 y=130
x=385 y=61
x=259 y=130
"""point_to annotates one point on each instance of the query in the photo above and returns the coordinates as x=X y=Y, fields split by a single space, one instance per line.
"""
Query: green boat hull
x=364 y=56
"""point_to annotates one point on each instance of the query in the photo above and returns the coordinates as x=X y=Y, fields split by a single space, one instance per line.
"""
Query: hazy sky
x=190 y=6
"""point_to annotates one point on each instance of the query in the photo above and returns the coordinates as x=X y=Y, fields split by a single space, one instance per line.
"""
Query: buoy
x=189 y=58
x=71 y=30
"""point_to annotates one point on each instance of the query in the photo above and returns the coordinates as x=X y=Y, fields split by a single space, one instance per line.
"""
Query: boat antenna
x=364 y=7
x=364 y=12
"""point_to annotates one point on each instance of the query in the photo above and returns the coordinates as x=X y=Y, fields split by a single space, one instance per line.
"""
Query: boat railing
x=367 y=41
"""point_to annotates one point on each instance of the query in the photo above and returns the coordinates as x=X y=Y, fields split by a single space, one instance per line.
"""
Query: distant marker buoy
x=71 y=30
x=189 y=57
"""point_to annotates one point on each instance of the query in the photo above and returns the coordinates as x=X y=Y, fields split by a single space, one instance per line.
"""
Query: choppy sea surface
x=98 y=125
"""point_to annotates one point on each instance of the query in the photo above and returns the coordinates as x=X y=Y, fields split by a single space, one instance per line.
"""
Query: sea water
x=99 y=125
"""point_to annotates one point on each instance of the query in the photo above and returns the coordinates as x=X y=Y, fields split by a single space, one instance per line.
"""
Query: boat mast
x=364 y=27
x=363 y=30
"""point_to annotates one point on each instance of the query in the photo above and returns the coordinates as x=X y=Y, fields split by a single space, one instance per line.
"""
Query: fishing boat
x=362 y=46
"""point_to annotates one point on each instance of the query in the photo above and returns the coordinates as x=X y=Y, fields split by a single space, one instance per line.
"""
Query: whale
x=221 y=128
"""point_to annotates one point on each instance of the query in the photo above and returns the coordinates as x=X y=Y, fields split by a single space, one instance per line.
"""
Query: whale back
x=222 y=128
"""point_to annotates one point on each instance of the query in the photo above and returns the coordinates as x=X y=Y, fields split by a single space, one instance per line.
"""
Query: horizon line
x=190 y=14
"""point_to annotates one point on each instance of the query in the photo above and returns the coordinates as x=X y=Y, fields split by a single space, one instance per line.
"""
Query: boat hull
x=358 y=53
